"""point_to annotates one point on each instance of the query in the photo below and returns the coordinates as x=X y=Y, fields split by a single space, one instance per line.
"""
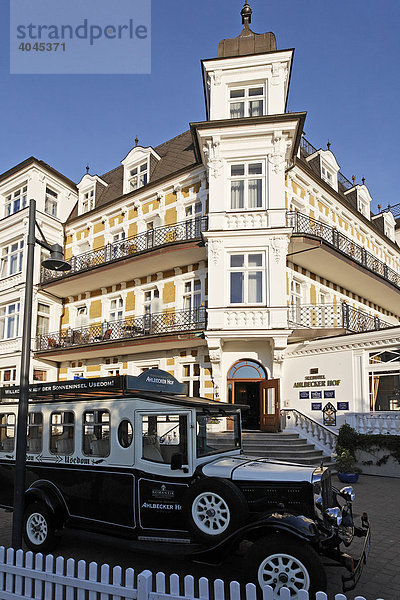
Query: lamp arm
x=43 y=242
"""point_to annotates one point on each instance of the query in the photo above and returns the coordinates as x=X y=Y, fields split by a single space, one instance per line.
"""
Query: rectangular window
x=7 y=432
x=50 y=204
x=246 y=102
x=16 y=200
x=39 y=375
x=62 y=433
x=191 y=376
x=8 y=376
x=96 y=433
x=88 y=201
x=192 y=295
x=163 y=436
x=247 y=186
x=116 y=309
x=43 y=319
x=246 y=275
x=34 y=441
x=9 y=321
x=138 y=176
x=11 y=258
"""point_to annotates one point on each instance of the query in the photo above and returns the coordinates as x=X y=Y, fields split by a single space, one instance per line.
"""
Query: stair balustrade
x=315 y=433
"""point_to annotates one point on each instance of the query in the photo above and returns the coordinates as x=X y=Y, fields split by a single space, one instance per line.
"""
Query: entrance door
x=270 y=406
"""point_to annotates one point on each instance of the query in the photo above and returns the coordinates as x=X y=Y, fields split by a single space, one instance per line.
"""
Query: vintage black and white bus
x=136 y=458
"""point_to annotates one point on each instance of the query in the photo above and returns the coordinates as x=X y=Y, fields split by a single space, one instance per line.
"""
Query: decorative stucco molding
x=253 y=319
x=215 y=250
x=246 y=221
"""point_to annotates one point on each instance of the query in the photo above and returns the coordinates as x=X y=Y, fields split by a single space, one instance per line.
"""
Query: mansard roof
x=176 y=155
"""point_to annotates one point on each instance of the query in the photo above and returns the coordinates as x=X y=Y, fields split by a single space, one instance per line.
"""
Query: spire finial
x=363 y=180
x=328 y=145
x=136 y=141
x=246 y=15
x=87 y=169
x=354 y=179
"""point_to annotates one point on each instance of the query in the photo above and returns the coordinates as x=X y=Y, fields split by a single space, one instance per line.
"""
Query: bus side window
x=96 y=433
x=34 y=441
x=62 y=433
x=125 y=433
x=7 y=432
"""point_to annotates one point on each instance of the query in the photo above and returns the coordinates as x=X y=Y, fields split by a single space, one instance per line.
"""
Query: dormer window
x=327 y=175
x=363 y=207
x=51 y=201
x=246 y=102
x=16 y=200
x=138 y=176
x=88 y=201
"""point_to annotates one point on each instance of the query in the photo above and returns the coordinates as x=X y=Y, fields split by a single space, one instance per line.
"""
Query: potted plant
x=345 y=464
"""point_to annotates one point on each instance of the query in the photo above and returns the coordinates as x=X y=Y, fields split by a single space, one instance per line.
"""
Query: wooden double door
x=262 y=397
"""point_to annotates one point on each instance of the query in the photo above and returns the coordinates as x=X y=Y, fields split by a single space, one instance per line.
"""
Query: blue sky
x=345 y=75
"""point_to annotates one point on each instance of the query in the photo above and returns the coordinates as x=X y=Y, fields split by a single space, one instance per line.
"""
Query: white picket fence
x=26 y=575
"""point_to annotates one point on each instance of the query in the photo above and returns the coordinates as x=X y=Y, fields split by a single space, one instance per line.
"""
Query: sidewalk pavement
x=379 y=496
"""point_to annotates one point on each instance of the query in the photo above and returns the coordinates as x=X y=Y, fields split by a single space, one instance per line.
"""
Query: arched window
x=247 y=369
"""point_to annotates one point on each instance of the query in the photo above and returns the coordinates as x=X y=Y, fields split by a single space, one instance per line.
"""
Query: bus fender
x=48 y=494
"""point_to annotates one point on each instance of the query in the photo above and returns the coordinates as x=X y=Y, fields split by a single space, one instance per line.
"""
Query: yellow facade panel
x=170 y=199
x=98 y=242
x=170 y=216
x=98 y=227
x=95 y=309
x=130 y=301
x=169 y=292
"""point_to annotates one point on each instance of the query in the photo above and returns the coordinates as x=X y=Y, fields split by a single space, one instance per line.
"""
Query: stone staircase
x=288 y=447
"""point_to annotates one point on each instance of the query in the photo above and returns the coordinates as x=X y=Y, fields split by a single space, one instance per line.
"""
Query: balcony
x=335 y=257
x=133 y=332
x=309 y=320
x=158 y=249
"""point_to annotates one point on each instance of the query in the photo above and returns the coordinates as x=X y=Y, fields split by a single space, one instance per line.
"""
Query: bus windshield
x=217 y=433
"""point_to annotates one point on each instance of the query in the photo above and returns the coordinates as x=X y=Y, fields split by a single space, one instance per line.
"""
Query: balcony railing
x=143 y=242
x=334 y=316
x=126 y=329
x=303 y=224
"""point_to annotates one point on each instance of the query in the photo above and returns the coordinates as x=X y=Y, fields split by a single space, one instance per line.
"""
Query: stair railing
x=323 y=438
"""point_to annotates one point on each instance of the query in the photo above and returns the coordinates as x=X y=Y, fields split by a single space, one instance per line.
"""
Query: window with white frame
x=43 y=319
x=246 y=276
x=246 y=102
x=82 y=318
x=9 y=320
x=138 y=176
x=193 y=210
x=16 y=200
x=296 y=298
x=191 y=376
x=247 y=185
x=88 y=201
x=39 y=375
x=116 y=309
x=11 y=258
x=192 y=295
x=51 y=202
x=8 y=376
x=327 y=175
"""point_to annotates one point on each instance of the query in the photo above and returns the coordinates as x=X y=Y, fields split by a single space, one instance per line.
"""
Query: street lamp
x=56 y=262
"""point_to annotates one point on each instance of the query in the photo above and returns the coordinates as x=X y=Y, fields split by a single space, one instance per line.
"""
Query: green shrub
x=349 y=439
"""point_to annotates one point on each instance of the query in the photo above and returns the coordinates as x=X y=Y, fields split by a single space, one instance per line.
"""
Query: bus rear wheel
x=39 y=528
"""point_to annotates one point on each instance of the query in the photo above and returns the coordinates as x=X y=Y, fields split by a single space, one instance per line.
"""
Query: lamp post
x=57 y=263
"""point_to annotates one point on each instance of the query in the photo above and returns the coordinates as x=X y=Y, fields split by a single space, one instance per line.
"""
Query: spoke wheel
x=36 y=528
x=39 y=528
x=213 y=509
x=211 y=513
x=282 y=560
x=284 y=570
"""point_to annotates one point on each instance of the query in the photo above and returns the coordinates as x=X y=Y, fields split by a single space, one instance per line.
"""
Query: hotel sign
x=316 y=381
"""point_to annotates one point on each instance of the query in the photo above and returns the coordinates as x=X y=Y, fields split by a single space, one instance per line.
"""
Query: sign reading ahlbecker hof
x=316 y=381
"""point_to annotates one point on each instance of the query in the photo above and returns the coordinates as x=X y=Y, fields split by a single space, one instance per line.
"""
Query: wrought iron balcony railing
x=334 y=316
x=143 y=242
x=303 y=224
x=126 y=329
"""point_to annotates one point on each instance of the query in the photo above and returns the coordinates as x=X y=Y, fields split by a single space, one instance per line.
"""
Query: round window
x=125 y=433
